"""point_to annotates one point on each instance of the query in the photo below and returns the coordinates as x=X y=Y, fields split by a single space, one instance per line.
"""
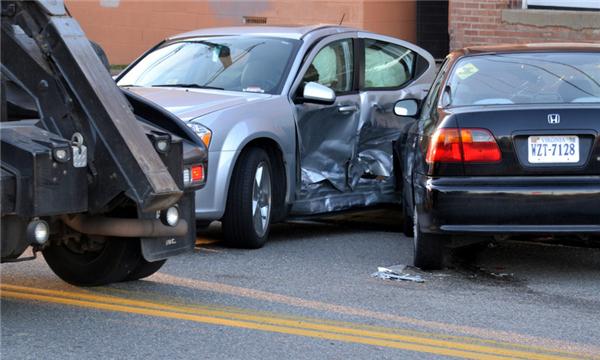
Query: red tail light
x=472 y=145
x=193 y=175
x=197 y=173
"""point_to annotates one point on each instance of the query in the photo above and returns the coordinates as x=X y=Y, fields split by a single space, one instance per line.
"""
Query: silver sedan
x=298 y=120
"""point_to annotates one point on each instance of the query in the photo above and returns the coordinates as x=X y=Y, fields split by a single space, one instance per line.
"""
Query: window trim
x=560 y=4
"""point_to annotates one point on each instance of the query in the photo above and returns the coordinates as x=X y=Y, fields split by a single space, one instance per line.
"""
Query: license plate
x=553 y=149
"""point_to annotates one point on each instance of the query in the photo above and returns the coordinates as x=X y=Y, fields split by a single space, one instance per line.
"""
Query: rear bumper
x=509 y=205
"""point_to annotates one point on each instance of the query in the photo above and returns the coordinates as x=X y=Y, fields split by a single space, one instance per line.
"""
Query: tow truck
x=97 y=179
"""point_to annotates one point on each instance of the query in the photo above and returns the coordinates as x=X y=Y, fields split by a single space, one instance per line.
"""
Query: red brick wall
x=480 y=22
x=133 y=26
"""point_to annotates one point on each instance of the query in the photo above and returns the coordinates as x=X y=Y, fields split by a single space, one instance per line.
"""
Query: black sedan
x=506 y=142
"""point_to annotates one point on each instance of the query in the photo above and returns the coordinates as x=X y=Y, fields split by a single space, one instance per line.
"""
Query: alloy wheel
x=261 y=199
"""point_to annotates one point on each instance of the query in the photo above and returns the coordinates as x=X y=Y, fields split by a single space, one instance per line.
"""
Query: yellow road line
x=498 y=336
x=301 y=325
x=250 y=325
x=155 y=296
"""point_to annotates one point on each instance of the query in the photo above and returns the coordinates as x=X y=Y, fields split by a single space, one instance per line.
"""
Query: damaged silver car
x=298 y=120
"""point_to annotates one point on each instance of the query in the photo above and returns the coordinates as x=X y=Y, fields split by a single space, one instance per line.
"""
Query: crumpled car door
x=391 y=70
x=345 y=149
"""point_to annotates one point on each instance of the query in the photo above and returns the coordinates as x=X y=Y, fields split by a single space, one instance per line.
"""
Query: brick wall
x=486 y=22
x=130 y=27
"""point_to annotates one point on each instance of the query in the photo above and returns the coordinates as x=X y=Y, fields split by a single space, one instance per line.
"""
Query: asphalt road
x=309 y=294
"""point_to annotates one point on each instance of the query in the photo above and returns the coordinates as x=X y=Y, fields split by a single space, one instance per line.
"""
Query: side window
x=387 y=65
x=333 y=66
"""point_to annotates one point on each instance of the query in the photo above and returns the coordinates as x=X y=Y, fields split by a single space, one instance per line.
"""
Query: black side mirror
x=407 y=107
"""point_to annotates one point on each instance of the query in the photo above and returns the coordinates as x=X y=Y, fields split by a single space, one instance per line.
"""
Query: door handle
x=347 y=108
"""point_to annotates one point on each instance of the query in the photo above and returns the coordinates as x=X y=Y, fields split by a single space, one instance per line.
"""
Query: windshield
x=250 y=64
x=524 y=78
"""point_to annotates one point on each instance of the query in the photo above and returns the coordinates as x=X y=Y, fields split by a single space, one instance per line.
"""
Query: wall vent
x=255 y=20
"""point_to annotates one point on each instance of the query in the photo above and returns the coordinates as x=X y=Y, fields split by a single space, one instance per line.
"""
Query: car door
x=327 y=133
x=390 y=70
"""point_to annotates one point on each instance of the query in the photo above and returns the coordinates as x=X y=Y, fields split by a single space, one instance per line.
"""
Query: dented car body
x=317 y=100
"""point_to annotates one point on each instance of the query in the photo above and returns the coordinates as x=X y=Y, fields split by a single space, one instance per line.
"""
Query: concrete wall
x=132 y=26
x=484 y=22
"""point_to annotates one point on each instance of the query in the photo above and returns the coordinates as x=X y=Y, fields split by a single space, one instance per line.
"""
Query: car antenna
x=342 y=19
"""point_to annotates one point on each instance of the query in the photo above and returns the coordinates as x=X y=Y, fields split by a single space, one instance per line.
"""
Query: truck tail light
x=463 y=145
x=193 y=175
x=197 y=173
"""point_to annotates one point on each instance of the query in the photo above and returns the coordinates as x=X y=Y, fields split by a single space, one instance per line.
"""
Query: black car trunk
x=538 y=141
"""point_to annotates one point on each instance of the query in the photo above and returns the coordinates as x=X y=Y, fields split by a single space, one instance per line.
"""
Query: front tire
x=109 y=260
x=247 y=218
x=428 y=248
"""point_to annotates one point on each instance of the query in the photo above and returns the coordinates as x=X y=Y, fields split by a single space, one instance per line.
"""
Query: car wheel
x=144 y=269
x=428 y=248
x=407 y=224
x=93 y=260
x=246 y=222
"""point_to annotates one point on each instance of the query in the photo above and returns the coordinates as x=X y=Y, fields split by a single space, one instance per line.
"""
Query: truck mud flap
x=159 y=248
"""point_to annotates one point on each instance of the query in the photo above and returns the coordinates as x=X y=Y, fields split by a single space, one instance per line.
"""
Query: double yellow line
x=285 y=325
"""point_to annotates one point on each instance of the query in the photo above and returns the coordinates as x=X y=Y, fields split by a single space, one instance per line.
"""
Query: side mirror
x=315 y=92
x=408 y=107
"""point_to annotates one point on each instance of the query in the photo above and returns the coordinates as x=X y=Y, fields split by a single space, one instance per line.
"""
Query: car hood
x=188 y=104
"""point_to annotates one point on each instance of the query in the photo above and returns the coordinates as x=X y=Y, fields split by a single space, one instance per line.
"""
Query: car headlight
x=203 y=132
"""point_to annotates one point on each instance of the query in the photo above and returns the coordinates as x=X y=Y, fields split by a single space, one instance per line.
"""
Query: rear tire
x=408 y=225
x=247 y=218
x=428 y=248
x=113 y=262
x=144 y=269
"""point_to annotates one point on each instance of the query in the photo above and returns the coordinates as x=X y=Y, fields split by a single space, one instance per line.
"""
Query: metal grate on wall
x=255 y=20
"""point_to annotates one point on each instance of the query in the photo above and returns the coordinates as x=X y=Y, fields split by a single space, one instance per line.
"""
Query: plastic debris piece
x=396 y=273
x=502 y=275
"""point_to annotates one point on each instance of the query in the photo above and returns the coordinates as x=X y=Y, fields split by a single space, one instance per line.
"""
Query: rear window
x=524 y=78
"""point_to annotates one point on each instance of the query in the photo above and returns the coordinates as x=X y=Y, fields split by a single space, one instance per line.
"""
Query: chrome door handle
x=347 y=108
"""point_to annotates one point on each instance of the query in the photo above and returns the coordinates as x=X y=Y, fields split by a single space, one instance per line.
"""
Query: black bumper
x=509 y=205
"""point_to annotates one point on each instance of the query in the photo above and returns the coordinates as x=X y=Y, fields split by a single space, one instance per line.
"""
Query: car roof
x=533 y=47
x=289 y=32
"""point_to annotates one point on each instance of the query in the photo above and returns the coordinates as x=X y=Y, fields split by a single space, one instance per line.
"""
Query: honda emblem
x=553 y=119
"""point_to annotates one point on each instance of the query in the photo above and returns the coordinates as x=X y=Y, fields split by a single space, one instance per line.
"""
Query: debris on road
x=397 y=273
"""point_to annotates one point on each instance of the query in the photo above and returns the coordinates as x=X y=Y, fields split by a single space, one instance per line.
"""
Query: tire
x=144 y=269
x=247 y=218
x=428 y=248
x=202 y=225
x=408 y=226
x=113 y=262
